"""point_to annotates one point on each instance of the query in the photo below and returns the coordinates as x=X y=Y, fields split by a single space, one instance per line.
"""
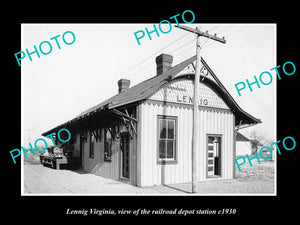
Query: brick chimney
x=123 y=85
x=163 y=63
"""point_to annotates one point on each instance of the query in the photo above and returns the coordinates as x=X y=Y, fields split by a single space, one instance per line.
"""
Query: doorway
x=81 y=142
x=125 y=155
x=213 y=156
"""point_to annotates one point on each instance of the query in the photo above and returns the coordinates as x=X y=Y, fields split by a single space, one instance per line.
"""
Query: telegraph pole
x=28 y=134
x=195 y=138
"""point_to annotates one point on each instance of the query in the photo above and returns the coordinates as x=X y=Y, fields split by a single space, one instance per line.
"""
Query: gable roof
x=148 y=87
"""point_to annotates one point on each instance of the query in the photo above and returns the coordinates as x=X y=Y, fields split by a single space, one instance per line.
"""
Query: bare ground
x=258 y=179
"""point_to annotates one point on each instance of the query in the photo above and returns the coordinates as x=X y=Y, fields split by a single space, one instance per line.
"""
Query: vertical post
x=195 y=138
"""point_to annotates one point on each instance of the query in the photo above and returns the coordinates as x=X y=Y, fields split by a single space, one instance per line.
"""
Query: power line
x=224 y=28
x=184 y=45
x=227 y=35
x=149 y=57
x=213 y=28
x=148 y=65
x=204 y=44
x=180 y=47
x=143 y=68
x=133 y=67
x=155 y=53
x=210 y=44
x=235 y=31
x=179 y=54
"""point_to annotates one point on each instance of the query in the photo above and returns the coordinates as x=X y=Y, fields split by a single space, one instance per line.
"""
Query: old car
x=60 y=154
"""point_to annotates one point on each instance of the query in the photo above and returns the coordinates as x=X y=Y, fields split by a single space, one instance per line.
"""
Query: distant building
x=143 y=135
x=243 y=145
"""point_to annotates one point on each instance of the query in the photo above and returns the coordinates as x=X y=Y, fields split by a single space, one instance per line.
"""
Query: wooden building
x=143 y=135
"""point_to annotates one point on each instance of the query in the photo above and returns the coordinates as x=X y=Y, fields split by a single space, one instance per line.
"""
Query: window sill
x=166 y=162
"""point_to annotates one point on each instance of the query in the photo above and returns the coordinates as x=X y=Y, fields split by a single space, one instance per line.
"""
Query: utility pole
x=195 y=138
x=28 y=134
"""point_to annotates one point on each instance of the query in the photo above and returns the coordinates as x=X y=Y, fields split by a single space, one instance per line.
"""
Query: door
x=214 y=156
x=125 y=151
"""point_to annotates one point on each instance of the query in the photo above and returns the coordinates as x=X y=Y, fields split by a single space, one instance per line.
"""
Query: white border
x=186 y=194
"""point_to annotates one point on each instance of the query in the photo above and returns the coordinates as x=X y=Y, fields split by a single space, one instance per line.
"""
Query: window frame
x=164 y=161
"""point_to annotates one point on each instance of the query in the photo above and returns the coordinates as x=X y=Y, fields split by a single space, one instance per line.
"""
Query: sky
x=59 y=86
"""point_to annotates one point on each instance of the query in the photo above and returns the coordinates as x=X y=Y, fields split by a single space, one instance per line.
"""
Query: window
x=92 y=143
x=107 y=145
x=166 y=139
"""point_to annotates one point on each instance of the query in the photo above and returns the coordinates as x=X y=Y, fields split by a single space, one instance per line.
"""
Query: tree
x=260 y=139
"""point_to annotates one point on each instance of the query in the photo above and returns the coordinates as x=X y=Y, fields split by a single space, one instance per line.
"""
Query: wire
x=213 y=28
x=143 y=68
x=205 y=43
x=225 y=28
x=235 y=31
x=155 y=53
x=185 y=44
x=148 y=65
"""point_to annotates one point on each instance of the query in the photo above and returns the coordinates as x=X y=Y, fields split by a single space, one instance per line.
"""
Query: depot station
x=143 y=134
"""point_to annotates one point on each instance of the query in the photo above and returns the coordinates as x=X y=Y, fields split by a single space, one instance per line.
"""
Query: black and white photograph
x=144 y=111
x=109 y=109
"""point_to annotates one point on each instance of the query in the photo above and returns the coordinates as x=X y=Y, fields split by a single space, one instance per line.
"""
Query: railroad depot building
x=143 y=135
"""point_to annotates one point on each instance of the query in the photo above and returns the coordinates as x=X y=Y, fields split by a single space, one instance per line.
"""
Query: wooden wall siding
x=111 y=170
x=97 y=165
x=220 y=123
x=213 y=121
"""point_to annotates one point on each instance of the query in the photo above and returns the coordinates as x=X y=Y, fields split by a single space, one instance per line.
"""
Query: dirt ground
x=258 y=179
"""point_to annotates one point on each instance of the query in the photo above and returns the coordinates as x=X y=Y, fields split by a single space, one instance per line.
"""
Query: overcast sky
x=59 y=86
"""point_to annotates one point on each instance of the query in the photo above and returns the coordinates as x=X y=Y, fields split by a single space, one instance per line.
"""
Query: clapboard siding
x=212 y=121
x=97 y=165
